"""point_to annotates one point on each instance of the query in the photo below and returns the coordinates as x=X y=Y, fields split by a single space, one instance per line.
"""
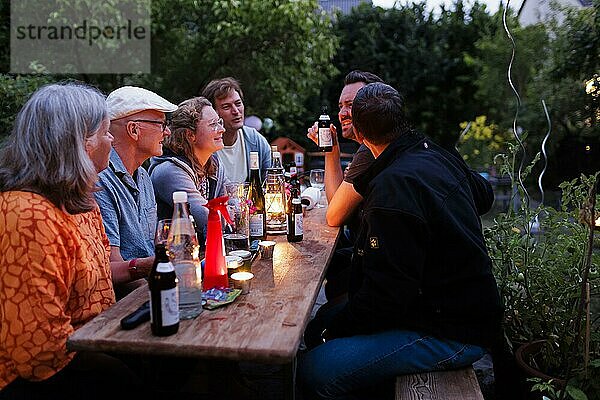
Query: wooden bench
x=460 y=384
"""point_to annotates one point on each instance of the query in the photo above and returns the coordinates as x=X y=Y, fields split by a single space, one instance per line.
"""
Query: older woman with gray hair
x=188 y=162
x=54 y=254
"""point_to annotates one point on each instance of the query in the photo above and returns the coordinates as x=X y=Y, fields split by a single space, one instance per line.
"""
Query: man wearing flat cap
x=126 y=199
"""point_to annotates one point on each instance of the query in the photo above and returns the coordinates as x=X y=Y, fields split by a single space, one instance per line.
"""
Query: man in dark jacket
x=422 y=295
x=344 y=201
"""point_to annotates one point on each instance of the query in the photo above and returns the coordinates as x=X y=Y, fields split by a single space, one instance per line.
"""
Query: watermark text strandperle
x=90 y=33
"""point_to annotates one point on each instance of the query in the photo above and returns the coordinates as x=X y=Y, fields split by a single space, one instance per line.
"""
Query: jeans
x=364 y=366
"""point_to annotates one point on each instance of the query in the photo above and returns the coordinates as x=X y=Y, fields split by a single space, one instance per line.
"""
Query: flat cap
x=129 y=100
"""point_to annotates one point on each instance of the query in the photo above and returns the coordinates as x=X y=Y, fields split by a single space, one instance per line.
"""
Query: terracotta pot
x=525 y=353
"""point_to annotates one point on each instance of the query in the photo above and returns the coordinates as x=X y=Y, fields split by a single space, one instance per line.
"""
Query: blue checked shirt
x=128 y=209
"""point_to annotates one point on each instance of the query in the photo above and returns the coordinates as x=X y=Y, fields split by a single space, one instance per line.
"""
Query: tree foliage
x=552 y=63
x=574 y=59
x=492 y=60
x=421 y=54
x=14 y=91
x=291 y=58
x=281 y=52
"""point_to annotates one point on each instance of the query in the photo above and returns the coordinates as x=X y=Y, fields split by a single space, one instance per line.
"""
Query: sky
x=492 y=5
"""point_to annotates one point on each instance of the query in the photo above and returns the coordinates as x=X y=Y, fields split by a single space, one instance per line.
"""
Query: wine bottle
x=273 y=150
x=324 y=139
x=299 y=161
x=164 y=296
x=258 y=217
x=293 y=184
x=294 y=181
x=276 y=164
x=294 y=222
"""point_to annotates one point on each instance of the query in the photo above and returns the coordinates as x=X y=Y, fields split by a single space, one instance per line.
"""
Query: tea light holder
x=233 y=263
x=242 y=280
x=266 y=249
x=246 y=256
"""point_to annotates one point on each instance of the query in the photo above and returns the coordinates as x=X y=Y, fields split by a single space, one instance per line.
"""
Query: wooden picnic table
x=265 y=325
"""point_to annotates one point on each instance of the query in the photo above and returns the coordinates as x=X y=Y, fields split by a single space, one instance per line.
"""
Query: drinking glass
x=162 y=231
x=317 y=180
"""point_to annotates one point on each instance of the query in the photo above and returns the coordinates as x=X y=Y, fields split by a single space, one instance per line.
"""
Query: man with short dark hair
x=228 y=100
x=422 y=295
x=343 y=199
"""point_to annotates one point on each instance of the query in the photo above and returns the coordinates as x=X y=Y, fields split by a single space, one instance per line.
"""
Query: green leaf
x=595 y=363
x=575 y=393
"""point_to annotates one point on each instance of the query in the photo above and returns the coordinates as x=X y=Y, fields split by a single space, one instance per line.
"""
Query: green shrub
x=14 y=91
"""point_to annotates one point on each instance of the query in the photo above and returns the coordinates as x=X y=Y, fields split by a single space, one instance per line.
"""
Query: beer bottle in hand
x=324 y=139
x=258 y=215
x=295 y=231
x=164 y=298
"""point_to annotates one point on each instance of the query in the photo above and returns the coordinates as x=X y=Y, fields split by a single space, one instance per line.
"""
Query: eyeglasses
x=162 y=123
x=215 y=124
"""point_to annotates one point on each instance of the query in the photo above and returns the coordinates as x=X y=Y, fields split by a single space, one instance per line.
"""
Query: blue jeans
x=364 y=366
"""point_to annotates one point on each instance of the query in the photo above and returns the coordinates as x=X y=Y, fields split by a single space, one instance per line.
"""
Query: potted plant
x=546 y=270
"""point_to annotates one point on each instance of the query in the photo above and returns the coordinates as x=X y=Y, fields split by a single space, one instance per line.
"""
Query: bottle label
x=276 y=162
x=293 y=171
x=169 y=306
x=256 y=225
x=165 y=267
x=253 y=160
x=299 y=225
x=325 y=137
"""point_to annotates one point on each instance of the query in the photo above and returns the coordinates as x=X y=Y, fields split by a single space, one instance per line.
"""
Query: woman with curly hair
x=188 y=162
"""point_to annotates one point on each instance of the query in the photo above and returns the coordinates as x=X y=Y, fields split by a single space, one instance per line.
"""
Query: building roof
x=583 y=3
x=535 y=11
x=286 y=145
x=345 y=6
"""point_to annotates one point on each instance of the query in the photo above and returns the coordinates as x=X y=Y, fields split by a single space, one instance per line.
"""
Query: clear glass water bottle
x=183 y=251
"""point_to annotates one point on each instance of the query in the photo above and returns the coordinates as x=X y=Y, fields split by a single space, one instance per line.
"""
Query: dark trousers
x=87 y=376
x=338 y=273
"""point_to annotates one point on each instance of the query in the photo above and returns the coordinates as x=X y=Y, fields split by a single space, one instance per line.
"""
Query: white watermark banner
x=80 y=36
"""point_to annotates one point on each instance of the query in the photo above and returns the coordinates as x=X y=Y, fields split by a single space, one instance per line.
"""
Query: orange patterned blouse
x=54 y=276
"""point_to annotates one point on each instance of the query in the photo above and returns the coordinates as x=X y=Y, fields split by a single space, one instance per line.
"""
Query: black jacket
x=420 y=261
